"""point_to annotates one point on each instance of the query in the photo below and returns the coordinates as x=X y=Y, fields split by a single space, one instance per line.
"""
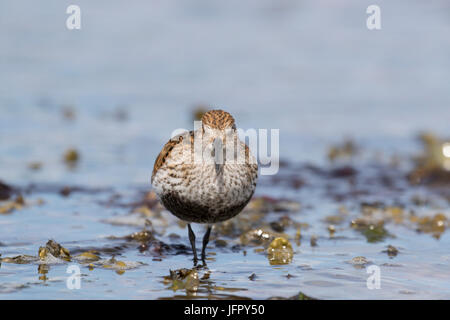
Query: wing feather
x=167 y=149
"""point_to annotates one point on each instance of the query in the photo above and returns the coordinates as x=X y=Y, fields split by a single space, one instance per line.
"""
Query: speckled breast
x=197 y=194
x=192 y=211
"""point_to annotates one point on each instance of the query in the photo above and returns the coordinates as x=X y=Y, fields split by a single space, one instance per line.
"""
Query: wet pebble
x=280 y=251
x=391 y=251
x=5 y=191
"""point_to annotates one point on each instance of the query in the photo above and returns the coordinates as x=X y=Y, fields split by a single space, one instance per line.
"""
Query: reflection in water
x=198 y=284
x=43 y=270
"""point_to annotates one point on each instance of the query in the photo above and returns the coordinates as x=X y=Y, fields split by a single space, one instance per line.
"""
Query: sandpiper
x=207 y=175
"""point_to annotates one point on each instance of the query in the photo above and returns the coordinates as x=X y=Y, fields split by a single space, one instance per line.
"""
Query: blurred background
x=84 y=113
x=116 y=89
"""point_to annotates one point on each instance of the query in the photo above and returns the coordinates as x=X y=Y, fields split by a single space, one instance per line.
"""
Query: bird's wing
x=167 y=149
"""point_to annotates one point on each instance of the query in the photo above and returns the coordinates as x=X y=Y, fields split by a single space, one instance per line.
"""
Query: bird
x=207 y=175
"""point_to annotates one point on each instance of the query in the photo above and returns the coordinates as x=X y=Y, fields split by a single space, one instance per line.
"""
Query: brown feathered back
x=167 y=149
x=218 y=119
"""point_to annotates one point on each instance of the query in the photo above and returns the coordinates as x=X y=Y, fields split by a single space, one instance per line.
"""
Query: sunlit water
x=308 y=68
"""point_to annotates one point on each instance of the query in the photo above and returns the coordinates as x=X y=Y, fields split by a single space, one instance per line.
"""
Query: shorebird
x=205 y=176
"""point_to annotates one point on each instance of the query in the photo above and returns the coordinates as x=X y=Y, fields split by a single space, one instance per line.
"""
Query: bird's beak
x=218 y=154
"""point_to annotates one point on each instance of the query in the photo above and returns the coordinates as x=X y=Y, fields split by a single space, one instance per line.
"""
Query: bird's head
x=219 y=133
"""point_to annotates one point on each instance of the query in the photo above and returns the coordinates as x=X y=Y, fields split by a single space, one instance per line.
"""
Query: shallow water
x=132 y=76
x=97 y=219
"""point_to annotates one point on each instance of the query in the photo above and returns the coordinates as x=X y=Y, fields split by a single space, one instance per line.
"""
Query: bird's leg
x=205 y=243
x=192 y=240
